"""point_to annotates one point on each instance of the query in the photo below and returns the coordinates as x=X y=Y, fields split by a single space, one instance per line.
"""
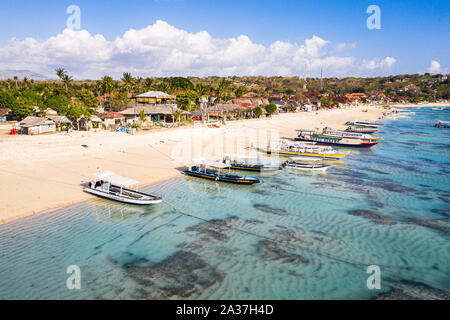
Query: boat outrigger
x=307 y=164
x=308 y=150
x=212 y=170
x=338 y=141
x=108 y=185
x=249 y=163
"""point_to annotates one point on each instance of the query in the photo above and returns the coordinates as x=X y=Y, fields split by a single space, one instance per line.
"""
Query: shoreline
x=41 y=174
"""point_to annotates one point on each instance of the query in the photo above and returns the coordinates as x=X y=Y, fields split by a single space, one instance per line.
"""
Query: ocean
x=296 y=235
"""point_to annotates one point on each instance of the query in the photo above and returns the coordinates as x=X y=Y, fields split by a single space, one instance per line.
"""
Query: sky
x=225 y=38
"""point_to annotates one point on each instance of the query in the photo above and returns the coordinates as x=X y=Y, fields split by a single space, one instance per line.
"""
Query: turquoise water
x=296 y=235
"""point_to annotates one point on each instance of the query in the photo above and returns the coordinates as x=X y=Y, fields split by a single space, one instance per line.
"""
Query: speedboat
x=108 y=185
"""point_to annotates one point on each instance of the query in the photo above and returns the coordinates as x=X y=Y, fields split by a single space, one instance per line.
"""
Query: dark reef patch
x=271 y=250
x=441 y=225
x=182 y=275
x=372 y=215
x=269 y=209
x=214 y=229
x=412 y=290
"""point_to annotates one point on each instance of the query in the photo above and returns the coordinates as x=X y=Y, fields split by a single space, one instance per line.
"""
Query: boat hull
x=255 y=168
x=361 y=130
x=109 y=196
x=307 y=167
x=224 y=178
x=313 y=155
x=336 y=144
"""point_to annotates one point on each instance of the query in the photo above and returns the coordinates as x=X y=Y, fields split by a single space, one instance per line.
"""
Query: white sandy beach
x=40 y=173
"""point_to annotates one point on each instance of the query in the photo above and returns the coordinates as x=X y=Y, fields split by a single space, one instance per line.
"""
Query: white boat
x=108 y=185
x=307 y=164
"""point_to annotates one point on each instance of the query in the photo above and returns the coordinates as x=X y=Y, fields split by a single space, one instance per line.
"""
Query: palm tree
x=67 y=80
x=107 y=86
x=60 y=72
x=128 y=81
x=15 y=80
x=220 y=91
x=25 y=82
x=148 y=82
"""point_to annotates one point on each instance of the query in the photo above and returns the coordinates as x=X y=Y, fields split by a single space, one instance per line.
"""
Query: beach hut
x=153 y=113
x=112 y=120
x=62 y=122
x=96 y=122
x=36 y=125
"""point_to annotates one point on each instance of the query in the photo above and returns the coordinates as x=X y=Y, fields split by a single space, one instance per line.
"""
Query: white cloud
x=164 y=50
x=374 y=64
x=435 y=67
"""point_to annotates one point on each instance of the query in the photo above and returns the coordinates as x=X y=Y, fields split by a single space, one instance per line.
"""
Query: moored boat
x=365 y=123
x=307 y=164
x=350 y=135
x=361 y=129
x=338 y=141
x=108 y=185
x=213 y=170
x=307 y=150
x=248 y=163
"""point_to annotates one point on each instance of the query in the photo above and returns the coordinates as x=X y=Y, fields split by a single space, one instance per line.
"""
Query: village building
x=153 y=113
x=36 y=125
x=113 y=120
x=4 y=112
x=155 y=98
x=62 y=122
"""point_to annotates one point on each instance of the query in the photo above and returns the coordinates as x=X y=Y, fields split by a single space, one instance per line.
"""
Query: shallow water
x=296 y=235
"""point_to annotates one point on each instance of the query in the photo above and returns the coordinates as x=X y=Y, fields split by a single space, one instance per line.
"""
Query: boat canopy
x=306 y=159
x=114 y=178
x=235 y=155
x=214 y=164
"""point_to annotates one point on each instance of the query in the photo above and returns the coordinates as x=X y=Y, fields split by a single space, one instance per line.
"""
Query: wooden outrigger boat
x=307 y=164
x=307 y=150
x=361 y=129
x=365 y=123
x=212 y=170
x=248 y=163
x=338 y=141
x=350 y=135
x=108 y=185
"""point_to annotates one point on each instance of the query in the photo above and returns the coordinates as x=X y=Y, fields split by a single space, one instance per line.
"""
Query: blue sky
x=412 y=32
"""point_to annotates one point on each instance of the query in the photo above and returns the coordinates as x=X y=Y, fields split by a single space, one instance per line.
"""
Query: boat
x=213 y=170
x=442 y=124
x=307 y=164
x=338 y=141
x=248 y=163
x=297 y=149
x=350 y=135
x=365 y=123
x=361 y=129
x=108 y=185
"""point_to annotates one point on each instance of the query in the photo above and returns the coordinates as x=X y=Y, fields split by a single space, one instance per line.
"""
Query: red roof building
x=113 y=115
